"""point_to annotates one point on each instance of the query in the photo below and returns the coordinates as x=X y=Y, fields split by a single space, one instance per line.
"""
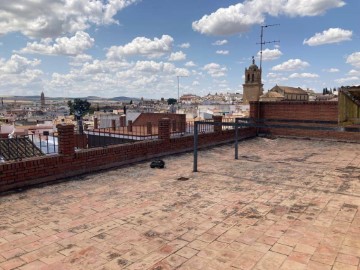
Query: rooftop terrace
x=285 y=204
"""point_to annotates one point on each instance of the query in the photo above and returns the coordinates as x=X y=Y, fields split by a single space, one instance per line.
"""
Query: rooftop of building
x=289 y=89
x=284 y=204
x=272 y=94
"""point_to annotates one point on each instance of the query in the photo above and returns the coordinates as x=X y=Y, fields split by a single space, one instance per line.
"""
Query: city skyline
x=139 y=48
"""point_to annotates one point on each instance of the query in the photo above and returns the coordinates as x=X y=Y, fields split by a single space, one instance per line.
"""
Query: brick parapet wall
x=154 y=118
x=295 y=110
x=18 y=174
x=316 y=111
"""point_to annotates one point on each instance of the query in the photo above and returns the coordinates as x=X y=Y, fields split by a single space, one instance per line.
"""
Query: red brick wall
x=319 y=111
x=18 y=174
x=154 y=118
x=330 y=135
x=312 y=110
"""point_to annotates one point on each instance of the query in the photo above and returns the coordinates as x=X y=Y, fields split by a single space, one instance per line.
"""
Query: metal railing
x=103 y=137
x=26 y=146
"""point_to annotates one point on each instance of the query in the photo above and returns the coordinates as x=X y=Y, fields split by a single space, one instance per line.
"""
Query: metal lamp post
x=178 y=83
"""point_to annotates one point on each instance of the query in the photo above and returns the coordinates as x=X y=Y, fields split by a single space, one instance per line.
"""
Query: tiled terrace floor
x=285 y=204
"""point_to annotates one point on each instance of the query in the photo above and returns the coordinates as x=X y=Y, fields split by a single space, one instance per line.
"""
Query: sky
x=159 y=48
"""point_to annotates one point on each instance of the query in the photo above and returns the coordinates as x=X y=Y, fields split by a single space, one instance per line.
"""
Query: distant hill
x=37 y=98
x=124 y=98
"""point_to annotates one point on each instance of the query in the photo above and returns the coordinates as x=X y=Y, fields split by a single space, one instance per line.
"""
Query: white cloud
x=135 y=78
x=272 y=75
x=240 y=17
x=220 y=42
x=177 y=56
x=308 y=7
x=185 y=45
x=45 y=18
x=332 y=70
x=276 y=77
x=269 y=55
x=222 y=52
x=354 y=72
x=354 y=59
x=332 y=35
x=215 y=70
x=349 y=80
x=94 y=68
x=195 y=83
x=142 y=46
x=291 y=64
x=190 y=64
x=150 y=66
x=62 y=46
x=80 y=59
x=227 y=21
x=17 y=64
x=19 y=76
x=304 y=75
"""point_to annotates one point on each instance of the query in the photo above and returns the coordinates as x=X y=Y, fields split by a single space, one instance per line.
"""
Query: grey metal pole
x=195 y=146
x=236 y=140
x=178 y=81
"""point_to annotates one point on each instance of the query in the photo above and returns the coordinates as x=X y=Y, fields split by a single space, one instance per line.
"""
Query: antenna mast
x=262 y=42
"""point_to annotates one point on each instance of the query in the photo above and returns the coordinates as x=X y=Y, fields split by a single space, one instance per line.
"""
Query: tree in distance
x=79 y=107
x=171 y=101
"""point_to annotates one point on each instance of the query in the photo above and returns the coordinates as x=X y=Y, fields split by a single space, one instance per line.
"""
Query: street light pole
x=178 y=83
x=178 y=79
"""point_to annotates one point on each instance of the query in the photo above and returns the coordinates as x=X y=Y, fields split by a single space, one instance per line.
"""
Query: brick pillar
x=96 y=123
x=217 y=119
x=254 y=107
x=164 y=129
x=130 y=126
x=66 y=139
x=182 y=123
x=113 y=124
x=149 y=127
x=173 y=124
x=122 y=121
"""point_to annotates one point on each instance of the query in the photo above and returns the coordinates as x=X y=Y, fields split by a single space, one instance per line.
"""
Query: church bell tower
x=42 y=99
x=253 y=87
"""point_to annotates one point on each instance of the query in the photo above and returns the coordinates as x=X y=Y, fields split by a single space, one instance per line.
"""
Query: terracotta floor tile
x=292 y=265
x=12 y=263
x=175 y=260
x=270 y=260
x=305 y=249
x=299 y=257
x=343 y=266
x=286 y=250
x=348 y=259
x=35 y=265
x=312 y=265
x=266 y=210
x=187 y=252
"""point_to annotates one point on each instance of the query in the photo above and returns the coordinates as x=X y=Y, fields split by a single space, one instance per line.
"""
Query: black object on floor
x=157 y=164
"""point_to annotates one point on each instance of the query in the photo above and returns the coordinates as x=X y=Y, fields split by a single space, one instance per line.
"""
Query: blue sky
x=137 y=48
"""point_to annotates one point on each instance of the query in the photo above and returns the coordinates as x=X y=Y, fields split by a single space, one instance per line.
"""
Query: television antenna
x=262 y=42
